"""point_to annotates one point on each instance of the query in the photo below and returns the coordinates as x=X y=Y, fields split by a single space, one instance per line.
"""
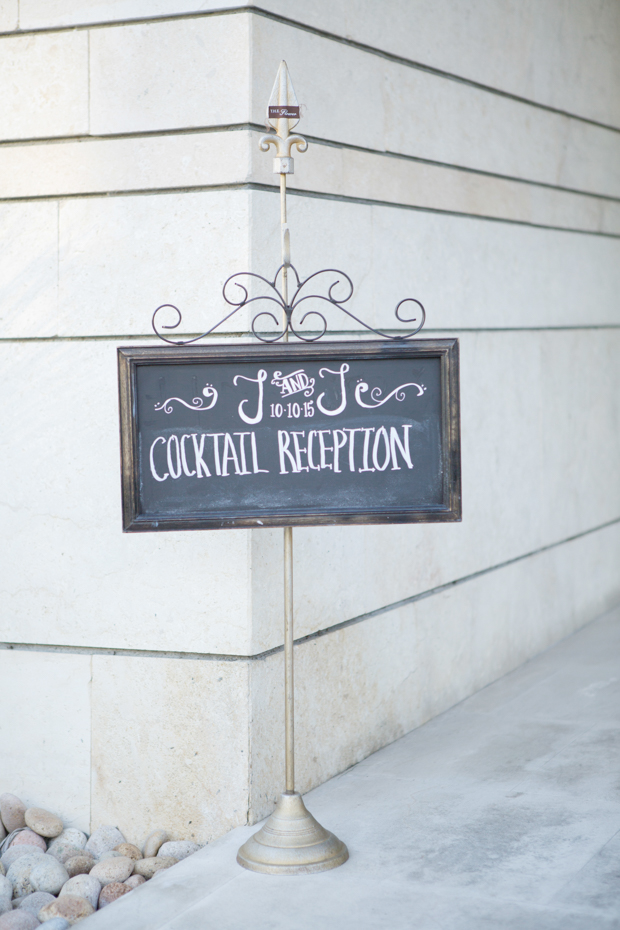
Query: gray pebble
x=48 y=875
x=16 y=852
x=111 y=854
x=86 y=886
x=56 y=923
x=180 y=849
x=69 y=837
x=5 y=902
x=79 y=865
x=103 y=839
x=19 y=920
x=3 y=832
x=12 y=812
x=19 y=873
x=35 y=901
x=113 y=870
x=152 y=843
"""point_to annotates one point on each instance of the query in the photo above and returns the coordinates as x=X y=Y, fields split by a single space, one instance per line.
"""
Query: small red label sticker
x=283 y=112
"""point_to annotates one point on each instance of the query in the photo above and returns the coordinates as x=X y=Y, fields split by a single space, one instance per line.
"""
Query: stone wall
x=464 y=153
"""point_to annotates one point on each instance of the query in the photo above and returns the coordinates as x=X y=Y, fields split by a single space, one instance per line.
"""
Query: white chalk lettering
x=244 y=469
x=284 y=441
x=153 y=471
x=381 y=433
x=338 y=446
x=311 y=436
x=229 y=455
x=352 y=432
x=216 y=451
x=255 y=457
x=367 y=431
x=298 y=451
x=186 y=470
x=262 y=376
x=201 y=465
x=404 y=449
x=174 y=473
x=343 y=391
x=323 y=448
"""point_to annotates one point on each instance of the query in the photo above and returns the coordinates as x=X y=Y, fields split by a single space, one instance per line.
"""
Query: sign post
x=218 y=437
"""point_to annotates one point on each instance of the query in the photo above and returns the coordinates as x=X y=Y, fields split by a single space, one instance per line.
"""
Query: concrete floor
x=503 y=812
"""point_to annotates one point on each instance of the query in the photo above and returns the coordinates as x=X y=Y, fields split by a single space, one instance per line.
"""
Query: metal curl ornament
x=274 y=295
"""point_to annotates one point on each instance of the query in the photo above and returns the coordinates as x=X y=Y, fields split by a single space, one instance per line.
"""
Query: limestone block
x=174 y=73
x=9 y=15
x=457 y=266
x=52 y=765
x=364 y=686
x=190 y=716
x=134 y=164
x=95 y=585
x=412 y=112
x=29 y=269
x=45 y=85
x=508 y=49
x=126 y=256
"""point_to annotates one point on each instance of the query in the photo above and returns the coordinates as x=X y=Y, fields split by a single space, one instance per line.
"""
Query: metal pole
x=289 y=683
x=289 y=687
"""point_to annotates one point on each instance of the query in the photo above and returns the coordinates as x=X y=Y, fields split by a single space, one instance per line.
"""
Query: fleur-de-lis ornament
x=282 y=116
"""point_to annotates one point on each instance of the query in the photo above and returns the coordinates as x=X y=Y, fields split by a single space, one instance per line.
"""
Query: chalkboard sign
x=285 y=435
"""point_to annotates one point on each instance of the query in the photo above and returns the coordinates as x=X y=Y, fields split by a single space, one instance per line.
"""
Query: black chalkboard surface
x=284 y=435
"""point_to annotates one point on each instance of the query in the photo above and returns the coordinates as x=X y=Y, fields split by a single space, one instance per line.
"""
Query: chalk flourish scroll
x=196 y=403
x=376 y=392
x=329 y=285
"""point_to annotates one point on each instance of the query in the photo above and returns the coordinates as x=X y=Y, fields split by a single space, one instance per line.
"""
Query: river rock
x=112 y=892
x=42 y=822
x=56 y=923
x=110 y=854
x=148 y=867
x=152 y=843
x=128 y=849
x=3 y=833
x=35 y=901
x=6 y=894
x=48 y=874
x=179 y=849
x=134 y=880
x=84 y=886
x=12 y=812
x=69 y=906
x=2 y=869
x=17 y=852
x=28 y=838
x=19 y=920
x=113 y=870
x=103 y=839
x=79 y=865
x=19 y=873
x=69 y=837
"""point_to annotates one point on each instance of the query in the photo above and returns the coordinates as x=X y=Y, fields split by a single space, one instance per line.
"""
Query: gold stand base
x=292 y=842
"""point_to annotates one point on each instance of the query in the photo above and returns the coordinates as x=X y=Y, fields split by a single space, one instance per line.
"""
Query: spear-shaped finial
x=282 y=116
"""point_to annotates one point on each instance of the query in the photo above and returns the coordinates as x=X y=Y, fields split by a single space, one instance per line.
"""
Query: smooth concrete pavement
x=504 y=812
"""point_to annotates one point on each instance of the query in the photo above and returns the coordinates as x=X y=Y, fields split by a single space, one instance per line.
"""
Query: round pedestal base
x=292 y=842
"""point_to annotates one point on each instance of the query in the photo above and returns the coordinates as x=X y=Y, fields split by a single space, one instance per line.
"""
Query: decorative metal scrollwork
x=272 y=294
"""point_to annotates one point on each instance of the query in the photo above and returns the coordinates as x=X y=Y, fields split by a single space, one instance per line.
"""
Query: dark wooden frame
x=446 y=349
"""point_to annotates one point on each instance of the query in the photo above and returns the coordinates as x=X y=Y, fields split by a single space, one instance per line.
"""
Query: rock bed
x=54 y=877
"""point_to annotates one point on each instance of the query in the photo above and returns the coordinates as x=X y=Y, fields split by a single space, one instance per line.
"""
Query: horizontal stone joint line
x=345 y=333
x=316 y=140
x=270 y=188
x=388 y=608
x=321 y=33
